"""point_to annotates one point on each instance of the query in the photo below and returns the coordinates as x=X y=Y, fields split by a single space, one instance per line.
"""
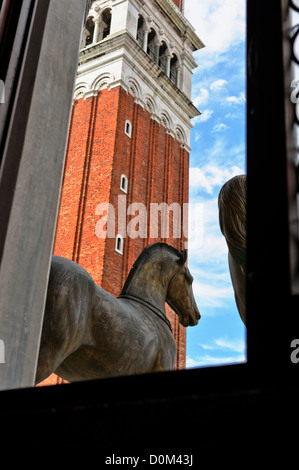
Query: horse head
x=180 y=295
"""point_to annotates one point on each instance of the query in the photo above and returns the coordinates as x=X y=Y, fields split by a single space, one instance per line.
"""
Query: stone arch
x=80 y=90
x=175 y=68
x=88 y=32
x=152 y=41
x=150 y=104
x=105 y=23
x=102 y=81
x=163 y=56
x=166 y=120
x=180 y=135
x=141 y=25
x=97 y=26
x=134 y=88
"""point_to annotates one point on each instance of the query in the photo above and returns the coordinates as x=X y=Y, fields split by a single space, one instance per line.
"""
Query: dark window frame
x=212 y=408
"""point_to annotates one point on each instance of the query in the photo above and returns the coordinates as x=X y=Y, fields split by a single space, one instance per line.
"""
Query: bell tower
x=126 y=172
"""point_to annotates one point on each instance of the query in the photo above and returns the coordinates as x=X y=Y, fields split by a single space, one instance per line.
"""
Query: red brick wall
x=179 y=3
x=99 y=152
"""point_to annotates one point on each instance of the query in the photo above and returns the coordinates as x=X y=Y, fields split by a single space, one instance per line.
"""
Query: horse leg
x=45 y=367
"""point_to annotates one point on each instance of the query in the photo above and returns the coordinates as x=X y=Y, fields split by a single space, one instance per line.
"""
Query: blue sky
x=218 y=153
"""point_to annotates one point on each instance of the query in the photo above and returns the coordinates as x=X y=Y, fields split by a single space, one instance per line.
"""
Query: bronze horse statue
x=232 y=220
x=89 y=334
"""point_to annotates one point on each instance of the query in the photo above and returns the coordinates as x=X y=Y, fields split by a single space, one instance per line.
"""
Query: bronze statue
x=89 y=334
x=232 y=220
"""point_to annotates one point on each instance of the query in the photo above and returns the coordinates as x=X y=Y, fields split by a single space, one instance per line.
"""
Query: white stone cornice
x=176 y=16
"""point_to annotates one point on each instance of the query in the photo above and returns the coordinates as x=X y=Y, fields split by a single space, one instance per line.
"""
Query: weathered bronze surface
x=88 y=333
x=232 y=220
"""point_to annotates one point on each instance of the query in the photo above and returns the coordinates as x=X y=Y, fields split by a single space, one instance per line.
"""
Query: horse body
x=88 y=333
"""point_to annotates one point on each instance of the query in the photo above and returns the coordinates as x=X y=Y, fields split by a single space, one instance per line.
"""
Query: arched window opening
x=151 y=45
x=105 y=24
x=140 y=31
x=163 y=57
x=124 y=183
x=128 y=128
x=89 y=31
x=119 y=244
x=174 y=63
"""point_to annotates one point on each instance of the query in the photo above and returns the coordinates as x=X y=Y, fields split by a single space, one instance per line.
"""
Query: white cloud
x=235 y=115
x=236 y=99
x=218 y=84
x=220 y=346
x=208 y=360
x=220 y=127
x=211 y=176
x=202 y=97
x=205 y=116
x=209 y=264
x=225 y=344
x=220 y=24
x=211 y=295
x=233 y=345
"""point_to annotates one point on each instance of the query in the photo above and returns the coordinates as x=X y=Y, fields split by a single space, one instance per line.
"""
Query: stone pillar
x=145 y=39
x=168 y=65
x=179 y=77
x=157 y=50
x=96 y=31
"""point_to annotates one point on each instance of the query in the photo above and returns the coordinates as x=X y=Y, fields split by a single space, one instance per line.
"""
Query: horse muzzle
x=191 y=319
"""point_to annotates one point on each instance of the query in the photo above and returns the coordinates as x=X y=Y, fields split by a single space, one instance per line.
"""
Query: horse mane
x=146 y=252
x=232 y=217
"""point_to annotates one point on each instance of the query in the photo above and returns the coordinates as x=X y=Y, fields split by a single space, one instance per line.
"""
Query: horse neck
x=149 y=282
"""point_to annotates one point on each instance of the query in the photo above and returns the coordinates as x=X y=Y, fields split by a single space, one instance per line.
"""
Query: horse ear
x=183 y=257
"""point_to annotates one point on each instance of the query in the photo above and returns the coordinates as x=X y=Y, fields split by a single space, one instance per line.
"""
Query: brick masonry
x=99 y=152
x=179 y=4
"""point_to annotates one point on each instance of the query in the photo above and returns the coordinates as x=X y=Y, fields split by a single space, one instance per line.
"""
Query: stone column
x=179 y=77
x=96 y=30
x=157 y=50
x=168 y=65
x=145 y=39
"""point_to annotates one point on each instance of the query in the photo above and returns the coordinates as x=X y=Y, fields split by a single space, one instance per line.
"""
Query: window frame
x=238 y=395
x=119 y=238
x=124 y=187
x=129 y=126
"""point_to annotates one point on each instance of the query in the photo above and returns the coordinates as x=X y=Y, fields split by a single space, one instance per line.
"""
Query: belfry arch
x=97 y=28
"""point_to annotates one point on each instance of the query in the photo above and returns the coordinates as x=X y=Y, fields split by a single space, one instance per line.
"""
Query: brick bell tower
x=127 y=160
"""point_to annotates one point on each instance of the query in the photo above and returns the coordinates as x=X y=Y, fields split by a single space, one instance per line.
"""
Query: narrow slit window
x=119 y=244
x=128 y=128
x=124 y=183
